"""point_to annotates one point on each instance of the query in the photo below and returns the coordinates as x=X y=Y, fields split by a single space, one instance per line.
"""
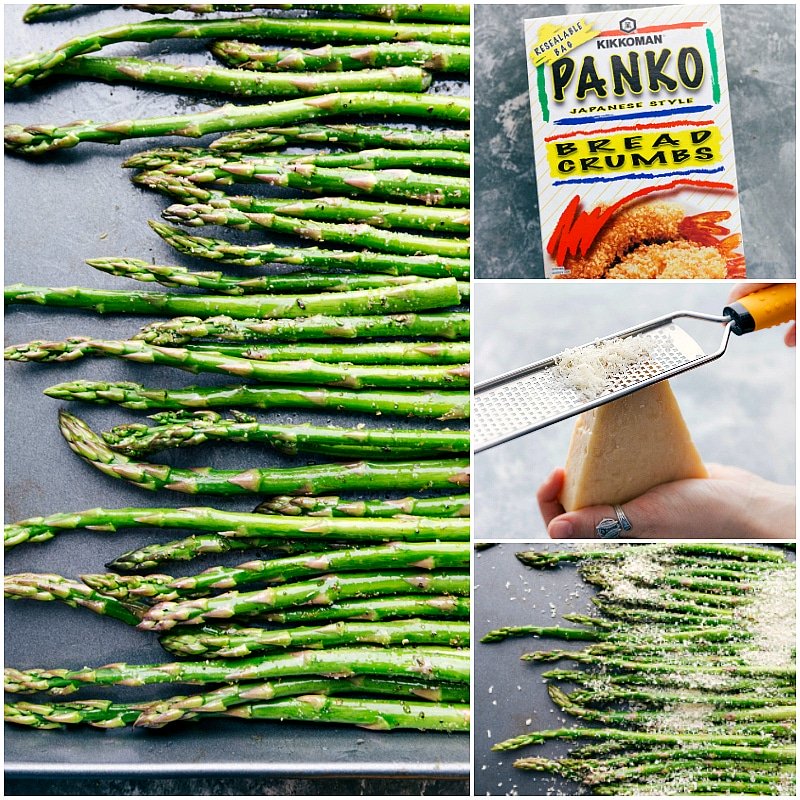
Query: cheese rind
x=621 y=449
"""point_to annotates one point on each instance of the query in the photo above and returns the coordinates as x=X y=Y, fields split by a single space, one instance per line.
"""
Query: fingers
x=791 y=336
x=743 y=289
x=548 y=493
x=580 y=524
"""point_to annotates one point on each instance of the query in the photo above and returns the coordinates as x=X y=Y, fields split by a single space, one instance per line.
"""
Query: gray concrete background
x=760 y=53
x=59 y=211
x=740 y=409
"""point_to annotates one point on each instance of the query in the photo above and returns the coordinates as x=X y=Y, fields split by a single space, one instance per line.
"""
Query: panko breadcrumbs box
x=633 y=144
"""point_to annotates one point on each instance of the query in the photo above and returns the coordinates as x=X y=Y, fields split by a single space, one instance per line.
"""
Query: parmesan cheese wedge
x=621 y=449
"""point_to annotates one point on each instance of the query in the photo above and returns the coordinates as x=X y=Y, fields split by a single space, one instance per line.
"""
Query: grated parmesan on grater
x=590 y=368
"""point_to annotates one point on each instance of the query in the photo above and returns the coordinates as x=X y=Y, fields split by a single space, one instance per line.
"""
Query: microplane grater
x=533 y=397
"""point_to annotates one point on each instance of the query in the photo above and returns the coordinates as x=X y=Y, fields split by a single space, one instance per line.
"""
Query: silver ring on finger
x=622 y=519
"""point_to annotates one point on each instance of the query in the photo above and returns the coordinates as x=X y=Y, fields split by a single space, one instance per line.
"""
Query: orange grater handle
x=763 y=309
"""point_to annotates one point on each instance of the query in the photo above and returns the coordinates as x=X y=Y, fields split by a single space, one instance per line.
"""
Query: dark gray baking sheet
x=761 y=81
x=510 y=696
x=58 y=212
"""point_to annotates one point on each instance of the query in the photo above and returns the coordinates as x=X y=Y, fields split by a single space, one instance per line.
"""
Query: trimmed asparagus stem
x=39 y=11
x=451 y=325
x=337 y=233
x=326 y=209
x=426 y=662
x=429 y=266
x=433 y=57
x=32 y=586
x=21 y=71
x=40 y=139
x=452 y=506
x=398 y=555
x=315 y=479
x=141 y=440
x=155 y=714
x=431 y=190
x=320 y=591
x=427 y=405
x=221 y=283
x=242 y=83
x=243 y=642
x=336 y=374
x=342 y=136
x=392 y=299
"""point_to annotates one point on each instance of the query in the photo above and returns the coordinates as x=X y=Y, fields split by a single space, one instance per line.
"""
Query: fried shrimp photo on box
x=658 y=240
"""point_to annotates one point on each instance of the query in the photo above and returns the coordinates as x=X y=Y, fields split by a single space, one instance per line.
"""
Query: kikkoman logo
x=627 y=25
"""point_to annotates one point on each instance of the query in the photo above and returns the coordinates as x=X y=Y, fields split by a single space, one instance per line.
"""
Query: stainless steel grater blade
x=534 y=396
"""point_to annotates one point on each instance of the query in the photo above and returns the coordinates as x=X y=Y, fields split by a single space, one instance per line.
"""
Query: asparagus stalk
x=220 y=283
x=39 y=139
x=427 y=405
x=315 y=479
x=425 y=662
x=21 y=71
x=245 y=642
x=38 y=11
x=243 y=83
x=326 y=209
x=199 y=158
x=451 y=506
x=342 y=136
x=568 y=634
x=422 y=12
x=320 y=591
x=141 y=440
x=194 y=546
x=391 y=299
x=453 y=325
x=433 y=57
x=363 y=353
x=352 y=376
x=398 y=555
x=432 y=190
x=348 y=233
x=32 y=586
x=430 y=266
x=155 y=714
x=211 y=520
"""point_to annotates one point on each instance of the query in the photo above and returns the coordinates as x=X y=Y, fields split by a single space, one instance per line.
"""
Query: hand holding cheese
x=730 y=504
x=621 y=449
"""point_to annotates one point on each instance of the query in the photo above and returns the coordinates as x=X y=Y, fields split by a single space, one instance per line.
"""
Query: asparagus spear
x=428 y=405
x=249 y=641
x=21 y=71
x=441 y=190
x=320 y=591
x=451 y=506
x=342 y=136
x=39 y=139
x=31 y=586
x=433 y=57
x=41 y=529
x=431 y=266
x=351 y=376
x=422 y=12
x=141 y=440
x=315 y=479
x=333 y=209
x=423 y=160
x=358 y=234
x=221 y=283
x=426 y=662
x=453 y=325
x=395 y=555
x=391 y=299
x=363 y=353
x=38 y=11
x=154 y=714
x=243 y=83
